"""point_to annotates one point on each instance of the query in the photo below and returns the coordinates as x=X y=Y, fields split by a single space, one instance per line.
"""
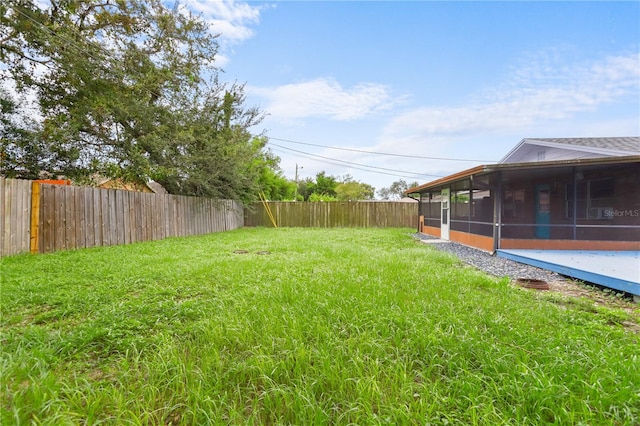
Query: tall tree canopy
x=125 y=88
x=349 y=189
x=330 y=188
x=323 y=188
x=396 y=190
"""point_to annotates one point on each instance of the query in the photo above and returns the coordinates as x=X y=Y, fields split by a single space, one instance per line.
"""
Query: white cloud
x=325 y=98
x=221 y=60
x=231 y=19
x=537 y=93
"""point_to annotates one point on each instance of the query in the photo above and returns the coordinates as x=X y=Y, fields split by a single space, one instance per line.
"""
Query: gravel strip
x=493 y=265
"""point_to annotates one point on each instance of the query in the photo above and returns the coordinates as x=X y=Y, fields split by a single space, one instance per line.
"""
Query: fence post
x=35 y=217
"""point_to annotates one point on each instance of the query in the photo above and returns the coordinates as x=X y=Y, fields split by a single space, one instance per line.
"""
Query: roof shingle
x=627 y=144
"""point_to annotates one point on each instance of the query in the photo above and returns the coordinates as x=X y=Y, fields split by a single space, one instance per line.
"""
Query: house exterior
x=578 y=204
x=579 y=218
x=119 y=183
x=569 y=205
x=556 y=149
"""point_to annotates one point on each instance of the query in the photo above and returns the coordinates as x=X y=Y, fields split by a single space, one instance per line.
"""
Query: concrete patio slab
x=619 y=270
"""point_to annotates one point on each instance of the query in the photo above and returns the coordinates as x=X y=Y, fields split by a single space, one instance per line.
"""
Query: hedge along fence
x=69 y=217
x=352 y=214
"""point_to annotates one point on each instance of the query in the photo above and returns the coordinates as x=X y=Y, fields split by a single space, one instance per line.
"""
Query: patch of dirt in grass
x=261 y=252
x=96 y=375
x=33 y=315
x=633 y=326
x=600 y=298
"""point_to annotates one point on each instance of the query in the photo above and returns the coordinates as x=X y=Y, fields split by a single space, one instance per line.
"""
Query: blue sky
x=458 y=80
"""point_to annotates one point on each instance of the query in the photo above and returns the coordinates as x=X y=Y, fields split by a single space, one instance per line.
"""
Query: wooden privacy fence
x=69 y=217
x=357 y=214
x=15 y=216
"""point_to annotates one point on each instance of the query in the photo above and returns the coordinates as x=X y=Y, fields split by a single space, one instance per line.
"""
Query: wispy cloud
x=326 y=98
x=538 y=92
x=231 y=19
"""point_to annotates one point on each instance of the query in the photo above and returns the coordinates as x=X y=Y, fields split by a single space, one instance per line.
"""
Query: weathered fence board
x=358 y=214
x=76 y=217
x=15 y=233
x=66 y=217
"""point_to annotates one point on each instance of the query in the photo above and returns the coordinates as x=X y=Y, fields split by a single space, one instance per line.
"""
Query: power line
x=351 y=163
x=70 y=42
x=109 y=55
x=381 y=153
x=355 y=164
x=311 y=157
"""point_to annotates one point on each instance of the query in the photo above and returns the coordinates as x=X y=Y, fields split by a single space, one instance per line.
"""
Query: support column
x=497 y=213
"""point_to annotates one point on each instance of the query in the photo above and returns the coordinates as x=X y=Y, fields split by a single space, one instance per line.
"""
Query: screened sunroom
x=588 y=204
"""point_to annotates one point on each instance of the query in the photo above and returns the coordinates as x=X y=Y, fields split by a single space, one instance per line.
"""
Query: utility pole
x=296 y=193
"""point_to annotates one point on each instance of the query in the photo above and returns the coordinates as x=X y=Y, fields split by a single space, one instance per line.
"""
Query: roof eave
x=444 y=180
x=530 y=165
x=515 y=148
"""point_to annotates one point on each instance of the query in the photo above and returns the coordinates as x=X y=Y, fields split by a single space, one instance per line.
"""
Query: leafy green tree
x=325 y=185
x=22 y=153
x=396 y=190
x=128 y=88
x=272 y=182
x=330 y=188
x=305 y=188
x=207 y=155
x=276 y=186
x=351 y=190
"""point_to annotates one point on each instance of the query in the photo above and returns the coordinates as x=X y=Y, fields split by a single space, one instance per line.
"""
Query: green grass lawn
x=331 y=326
